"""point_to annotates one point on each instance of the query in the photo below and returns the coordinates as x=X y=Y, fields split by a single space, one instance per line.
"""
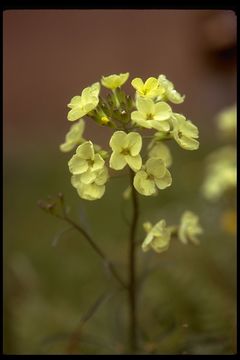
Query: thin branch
x=96 y=248
x=50 y=209
x=75 y=337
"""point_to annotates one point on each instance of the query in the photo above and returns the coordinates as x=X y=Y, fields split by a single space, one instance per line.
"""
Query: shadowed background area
x=50 y=56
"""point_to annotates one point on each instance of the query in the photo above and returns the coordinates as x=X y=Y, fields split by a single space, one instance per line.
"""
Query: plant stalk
x=132 y=271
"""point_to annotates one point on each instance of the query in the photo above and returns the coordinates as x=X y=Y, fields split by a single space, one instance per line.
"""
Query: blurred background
x=50 y=281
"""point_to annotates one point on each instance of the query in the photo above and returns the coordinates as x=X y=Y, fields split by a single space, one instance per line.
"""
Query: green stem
x=132 y=271
x=97 y=250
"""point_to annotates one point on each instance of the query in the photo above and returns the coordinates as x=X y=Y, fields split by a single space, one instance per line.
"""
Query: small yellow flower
x=169 y=92
x=227 y=121
x=126 y=149
x=221 y=173
x=189 y=228
x=114 y=81
x=158 y=237
x=185 y=132
x=152 y=176
x=81 y=105
x=73 y=137
x=160 y=151
x=152 y=115
x=94 y=189
x=85 y=162
x=149 y=89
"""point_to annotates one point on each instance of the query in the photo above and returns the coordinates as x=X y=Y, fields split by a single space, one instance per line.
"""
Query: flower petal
x=162 y=111
x=117 y=161
x=134 y=142
x=144 y=185
x=91 y=191
x=75 y=101
x=135 y=162
x=146 y=245
x=102 y=176
x=98 y=162
x=76 y=113
x=77 y=165
x=117 y=140
x=160 y=125
x=145 y=105
x=156 y=167
x=137 y=83
x=151 y=83
x=76 y=180
x=88 y=176
x=85 y=150
x=165 y=181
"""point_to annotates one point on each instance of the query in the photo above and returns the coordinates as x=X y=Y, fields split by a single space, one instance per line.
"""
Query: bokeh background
x=187 y=302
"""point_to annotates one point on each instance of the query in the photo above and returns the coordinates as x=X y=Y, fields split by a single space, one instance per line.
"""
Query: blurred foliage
x=52 y=278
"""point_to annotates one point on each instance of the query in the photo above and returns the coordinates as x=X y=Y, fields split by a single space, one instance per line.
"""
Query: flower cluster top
x=149 y=109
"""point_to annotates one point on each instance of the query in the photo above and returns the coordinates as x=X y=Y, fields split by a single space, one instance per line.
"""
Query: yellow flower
x=81 y=105
x=160 y=151
x=126 y=149
x=185 y=132
x=73 y=137
x=149 y=89
x=85 y=162
x=152 y=176
x=114 y=81
x=94 y=189
x=150 y=115
x=169 y=92
x=227 y=121
x=158 y=237
x=221 y=173
x=189 y=228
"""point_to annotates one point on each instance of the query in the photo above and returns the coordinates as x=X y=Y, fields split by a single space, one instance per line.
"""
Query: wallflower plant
x=141 y=125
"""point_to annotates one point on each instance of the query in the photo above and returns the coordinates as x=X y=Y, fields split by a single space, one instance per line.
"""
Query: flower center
x=150 y=177
x=149 y=116
x=125 y=152
x=90 y=162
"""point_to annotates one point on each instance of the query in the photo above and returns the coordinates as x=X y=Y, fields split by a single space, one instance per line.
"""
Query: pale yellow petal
x=76 y=113
x=77 y=165
x=165 y=181
x=156 y=167
x=135 y=162
x=117 y=140
x=88 y=176
x=145 y=105
x=146 y=245
x=137 y=83
x=98 y=162
x=85 y=150
x=144 y=185
x=117 y=161
x=102 y=176
x=134 y=143
x=162 y=111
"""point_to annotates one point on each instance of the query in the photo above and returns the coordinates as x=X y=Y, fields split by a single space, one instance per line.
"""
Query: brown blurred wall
x=51 y=55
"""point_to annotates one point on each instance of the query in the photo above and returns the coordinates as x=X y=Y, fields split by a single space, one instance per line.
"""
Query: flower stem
x=132 y=271
x=97 y=250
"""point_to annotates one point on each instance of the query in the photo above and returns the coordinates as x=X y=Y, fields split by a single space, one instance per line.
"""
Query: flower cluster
x=222 y=163
x=159 y=236
x=151 y=109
